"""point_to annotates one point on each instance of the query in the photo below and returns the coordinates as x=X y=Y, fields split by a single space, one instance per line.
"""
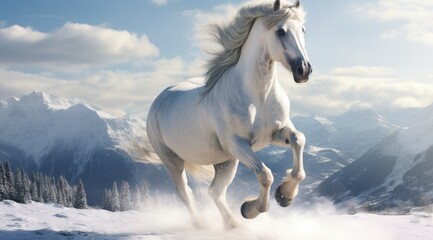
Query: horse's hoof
x=248 y=210
x=232 y=224
x=281 y=200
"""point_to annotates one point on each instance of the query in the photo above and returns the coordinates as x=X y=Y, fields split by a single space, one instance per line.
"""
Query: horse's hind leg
x=224 y=175
x=176 y=169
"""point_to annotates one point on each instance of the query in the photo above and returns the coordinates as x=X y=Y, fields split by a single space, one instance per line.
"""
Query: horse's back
x=170 y=106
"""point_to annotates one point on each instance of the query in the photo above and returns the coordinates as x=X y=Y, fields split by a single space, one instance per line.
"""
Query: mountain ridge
x=58 y=136
x=396 y=173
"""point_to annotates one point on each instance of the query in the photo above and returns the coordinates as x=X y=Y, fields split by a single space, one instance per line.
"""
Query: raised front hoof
x=281 y=200
x=249 y=210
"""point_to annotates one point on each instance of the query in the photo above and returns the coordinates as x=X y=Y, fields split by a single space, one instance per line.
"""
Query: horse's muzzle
x=301 y=70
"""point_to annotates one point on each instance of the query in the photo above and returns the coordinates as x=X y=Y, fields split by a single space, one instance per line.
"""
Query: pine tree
x=9 y=182
x=80 y=196
x=69 y=195
x=63 y=189
x=18 y=186
x=60 y=195
x=3 y=193
x=46 y=193
x=40 y=184
x=115 y=201
x=107 y=199
x=53 y=190
x=34 y=193
x=125 y=197
x=26 y=187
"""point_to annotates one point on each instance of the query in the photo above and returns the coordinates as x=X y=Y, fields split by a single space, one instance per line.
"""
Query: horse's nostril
x=311 y=70
x=300 y=70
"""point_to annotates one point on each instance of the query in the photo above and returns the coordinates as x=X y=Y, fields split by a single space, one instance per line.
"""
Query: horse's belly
x=201 y=156
x=196 y=147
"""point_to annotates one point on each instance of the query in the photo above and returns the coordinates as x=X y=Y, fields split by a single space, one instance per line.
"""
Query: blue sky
x=118 y=55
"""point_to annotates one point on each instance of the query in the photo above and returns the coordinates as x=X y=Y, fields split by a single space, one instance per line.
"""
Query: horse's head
x=286 y=41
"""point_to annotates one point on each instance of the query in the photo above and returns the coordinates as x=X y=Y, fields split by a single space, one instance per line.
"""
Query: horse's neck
x=255 y=66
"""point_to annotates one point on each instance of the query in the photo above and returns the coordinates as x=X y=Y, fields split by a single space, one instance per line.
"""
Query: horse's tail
x=203 y=173
x=142 y=151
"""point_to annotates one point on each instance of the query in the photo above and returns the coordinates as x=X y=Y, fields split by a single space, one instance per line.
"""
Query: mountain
x=396 y=173
x=57 y=136
x=352 y=132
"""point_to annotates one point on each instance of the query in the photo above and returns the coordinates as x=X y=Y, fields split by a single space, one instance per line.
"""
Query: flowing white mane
x=230 y=36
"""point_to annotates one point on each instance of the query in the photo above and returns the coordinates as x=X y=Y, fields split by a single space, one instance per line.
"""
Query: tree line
x=122 y=200
x=21 y=188
x=17 y=186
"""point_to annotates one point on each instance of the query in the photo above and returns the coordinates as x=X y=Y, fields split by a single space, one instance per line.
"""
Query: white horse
x=241 y=109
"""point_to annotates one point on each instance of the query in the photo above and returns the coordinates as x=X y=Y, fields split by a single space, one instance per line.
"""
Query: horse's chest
x=258 y=123
x=263 y=126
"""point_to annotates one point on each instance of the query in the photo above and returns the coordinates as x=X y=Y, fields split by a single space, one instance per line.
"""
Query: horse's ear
x=277 y=5
x=297 y=4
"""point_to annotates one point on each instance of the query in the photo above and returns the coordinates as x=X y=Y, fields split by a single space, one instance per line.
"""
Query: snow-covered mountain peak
x=41 y=100
x=38 y=122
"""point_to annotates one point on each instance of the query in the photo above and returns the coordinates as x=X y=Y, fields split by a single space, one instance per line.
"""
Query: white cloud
x=113 y=91
x=414 y=18
x=363 y=70
x=341 y=91
x=72 y=46
x=160 y=2
x=408 y=102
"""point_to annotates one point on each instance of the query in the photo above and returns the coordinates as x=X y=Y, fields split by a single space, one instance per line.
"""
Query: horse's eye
x=281 y=32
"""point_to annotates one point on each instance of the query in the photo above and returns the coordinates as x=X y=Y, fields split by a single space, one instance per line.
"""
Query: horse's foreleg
x=224 y=175
x=242 y=150
x=288 y=190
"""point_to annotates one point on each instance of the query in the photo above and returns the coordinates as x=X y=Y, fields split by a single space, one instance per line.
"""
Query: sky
x=118 y=55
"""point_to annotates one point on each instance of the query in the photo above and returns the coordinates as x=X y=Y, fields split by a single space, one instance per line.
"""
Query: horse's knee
x=287 y=136
x=299 y=176
x=265 y=177
x=297 y=139
x=294 y=176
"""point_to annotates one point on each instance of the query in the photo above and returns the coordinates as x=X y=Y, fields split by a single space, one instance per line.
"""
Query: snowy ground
x=171 y=221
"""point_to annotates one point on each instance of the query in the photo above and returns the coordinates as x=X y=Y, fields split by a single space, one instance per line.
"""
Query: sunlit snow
x=163 y=219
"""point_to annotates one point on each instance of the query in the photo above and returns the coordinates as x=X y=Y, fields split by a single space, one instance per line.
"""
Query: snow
x=408 y=143
x=166 y=220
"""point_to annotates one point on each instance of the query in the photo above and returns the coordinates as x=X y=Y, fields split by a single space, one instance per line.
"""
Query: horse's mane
x=230 y=36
